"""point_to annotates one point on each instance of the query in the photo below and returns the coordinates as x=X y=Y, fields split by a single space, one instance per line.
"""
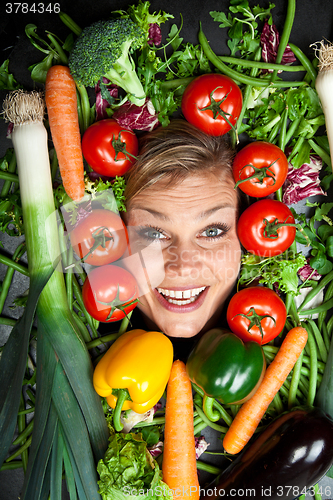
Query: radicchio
x=134 y=117
x=201 y=446
x=307 y=272
x=303 y=182
x=101 y=102
x=154 y=34
x=269 y=42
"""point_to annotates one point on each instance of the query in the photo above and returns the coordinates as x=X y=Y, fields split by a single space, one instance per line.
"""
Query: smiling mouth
x=181 y=297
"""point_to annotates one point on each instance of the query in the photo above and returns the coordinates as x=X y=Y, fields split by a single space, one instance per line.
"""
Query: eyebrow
x=202 y=215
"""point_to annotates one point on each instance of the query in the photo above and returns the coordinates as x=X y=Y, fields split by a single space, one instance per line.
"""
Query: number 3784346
x=36 y=7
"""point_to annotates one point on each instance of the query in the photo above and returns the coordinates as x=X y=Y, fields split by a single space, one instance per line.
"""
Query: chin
x=178 y=327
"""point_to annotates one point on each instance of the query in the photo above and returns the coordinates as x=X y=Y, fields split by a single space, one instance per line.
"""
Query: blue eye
x=151 y=233
x=215 y=231
x=212 y=232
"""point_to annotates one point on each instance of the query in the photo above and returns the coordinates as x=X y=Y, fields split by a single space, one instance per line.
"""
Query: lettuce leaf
x=128 y=471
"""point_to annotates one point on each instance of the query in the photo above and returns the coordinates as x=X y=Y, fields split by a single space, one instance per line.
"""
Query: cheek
x=224 y=262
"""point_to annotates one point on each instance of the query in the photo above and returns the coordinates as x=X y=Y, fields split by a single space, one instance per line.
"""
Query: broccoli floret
x=103 y=50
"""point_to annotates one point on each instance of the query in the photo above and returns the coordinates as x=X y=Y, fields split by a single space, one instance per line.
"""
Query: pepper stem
x=122 y=396
x=207 y=406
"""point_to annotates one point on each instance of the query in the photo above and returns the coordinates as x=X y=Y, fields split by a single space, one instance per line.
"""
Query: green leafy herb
x=242 y=24
x=319 y=230
x=279 y=271
x=7 y=80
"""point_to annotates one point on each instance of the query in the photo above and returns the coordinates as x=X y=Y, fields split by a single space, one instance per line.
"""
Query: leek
x=68 y=410
x=324 y=82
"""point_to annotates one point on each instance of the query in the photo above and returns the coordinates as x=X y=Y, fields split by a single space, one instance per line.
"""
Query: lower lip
x=182 y=309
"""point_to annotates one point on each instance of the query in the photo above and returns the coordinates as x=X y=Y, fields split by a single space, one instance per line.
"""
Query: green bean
x=313 y=367
x=292 y=129
x=7 y=321
x=155 y=421
x=248 y=89
x=208 y=468
x=283 y=130
x=21 y=426
x=328 y=295
x=197 y=420
x=16 y=464
x=274 y=132
x=85 y=336
x=11 y=169
x=295 y=381
x=24 y=433
x=68 y=21
x=8 y=176
x=322 y=284
x=319 y=339
x=7 y=261
x=320 y=152
x=278 y=403
x=224 y=414
x=329 y=326
x=85 y=106
x=305 y=61
x=26 y=412
x=7 y=281
x=59 y=49
x=199 y=427
x=207 y=406
x=79 y=112
x=103 y=340
x=19 y=452
x=288 y=23
x=298 y=145
x=78 y=295
x=208 y=422
x=235 y=75
x=325 y=336
x=325 y=306
x=257 y=64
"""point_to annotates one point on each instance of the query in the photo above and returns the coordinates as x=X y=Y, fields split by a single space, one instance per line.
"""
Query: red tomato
x=109 y=149
x=265 y=215
x=248 y=305
x=109 y=293
x=105 y=227
x=218 y=92
x=271 y=162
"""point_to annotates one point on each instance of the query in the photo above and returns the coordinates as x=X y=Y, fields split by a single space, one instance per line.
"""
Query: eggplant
x=290 y=456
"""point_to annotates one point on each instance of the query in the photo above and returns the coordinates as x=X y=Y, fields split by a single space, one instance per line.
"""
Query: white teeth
x=190 y=295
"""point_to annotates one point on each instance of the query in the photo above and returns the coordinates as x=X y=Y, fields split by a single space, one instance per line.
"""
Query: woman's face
x=194 y=224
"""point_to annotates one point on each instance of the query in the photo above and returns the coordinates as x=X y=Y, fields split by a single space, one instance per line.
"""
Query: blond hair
x=171 y=153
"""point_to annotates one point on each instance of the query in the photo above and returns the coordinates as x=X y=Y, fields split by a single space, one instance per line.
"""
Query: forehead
x=199 y=191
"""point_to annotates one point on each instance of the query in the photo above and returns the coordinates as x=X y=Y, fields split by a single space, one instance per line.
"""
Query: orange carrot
x=179 y=462
x=248 y=417
x=61 y=104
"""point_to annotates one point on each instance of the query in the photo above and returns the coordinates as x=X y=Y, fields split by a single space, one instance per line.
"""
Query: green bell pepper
x=225 y=368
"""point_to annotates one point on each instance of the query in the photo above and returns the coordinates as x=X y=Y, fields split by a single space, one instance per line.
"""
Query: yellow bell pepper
x=138 y=362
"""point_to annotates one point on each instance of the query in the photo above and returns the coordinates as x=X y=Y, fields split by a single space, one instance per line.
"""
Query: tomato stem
x=259 y=173
x=215 y=108
x=119 y=146
x=255 y=320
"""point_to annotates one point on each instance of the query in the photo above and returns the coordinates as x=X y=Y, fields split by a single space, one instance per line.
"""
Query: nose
x=183 y=259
